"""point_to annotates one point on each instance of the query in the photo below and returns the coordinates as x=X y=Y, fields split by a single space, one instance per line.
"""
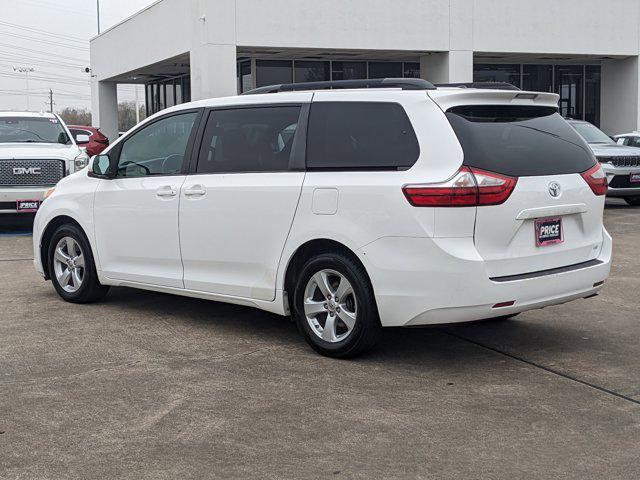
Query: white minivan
x=350 y=205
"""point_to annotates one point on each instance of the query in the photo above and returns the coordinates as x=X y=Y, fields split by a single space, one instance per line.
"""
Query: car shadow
x=438 y=346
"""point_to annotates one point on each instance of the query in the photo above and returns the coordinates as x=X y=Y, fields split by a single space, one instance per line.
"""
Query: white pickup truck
x=36 y=151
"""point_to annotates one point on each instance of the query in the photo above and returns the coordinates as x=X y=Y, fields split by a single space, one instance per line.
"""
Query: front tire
x=72 y=268
x=634 y=201
x=334 y=306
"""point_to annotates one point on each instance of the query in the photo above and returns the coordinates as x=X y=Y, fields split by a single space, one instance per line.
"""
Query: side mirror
x=63 y=138
x=82 y=139
x=101 y=166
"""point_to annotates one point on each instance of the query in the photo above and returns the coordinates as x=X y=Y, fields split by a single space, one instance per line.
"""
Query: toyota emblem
x=555 y=190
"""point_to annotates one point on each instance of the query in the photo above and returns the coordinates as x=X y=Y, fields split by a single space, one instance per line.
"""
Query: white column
x=447 y=67
x=104 y=107
x=620 y=96
x=213 y=71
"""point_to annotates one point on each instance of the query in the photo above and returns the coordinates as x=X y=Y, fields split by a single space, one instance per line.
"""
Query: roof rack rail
x=402 y=83
x=481 y=85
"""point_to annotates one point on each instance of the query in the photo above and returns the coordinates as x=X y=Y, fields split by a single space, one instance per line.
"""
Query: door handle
x=166 y=191
x=195 y=191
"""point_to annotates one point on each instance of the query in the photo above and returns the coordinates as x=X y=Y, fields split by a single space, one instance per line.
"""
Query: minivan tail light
x=596 y=179
x=469 y=187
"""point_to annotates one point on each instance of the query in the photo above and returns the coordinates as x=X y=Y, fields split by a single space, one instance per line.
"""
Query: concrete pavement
x=151 y=386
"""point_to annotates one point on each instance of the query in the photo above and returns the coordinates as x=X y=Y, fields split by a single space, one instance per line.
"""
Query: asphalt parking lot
x=153 y=386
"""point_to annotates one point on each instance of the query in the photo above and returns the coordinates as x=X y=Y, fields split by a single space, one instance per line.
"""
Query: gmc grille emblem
x=27 y=171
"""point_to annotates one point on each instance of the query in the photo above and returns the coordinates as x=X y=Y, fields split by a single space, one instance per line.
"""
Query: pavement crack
x=542 y=367
x=16 y=259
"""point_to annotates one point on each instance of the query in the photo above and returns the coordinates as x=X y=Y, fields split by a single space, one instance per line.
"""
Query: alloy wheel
x=330 y=306
x=69 y=264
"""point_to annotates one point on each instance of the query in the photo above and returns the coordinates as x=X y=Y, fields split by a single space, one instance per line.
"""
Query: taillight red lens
x=469 y=187
x=596 y=179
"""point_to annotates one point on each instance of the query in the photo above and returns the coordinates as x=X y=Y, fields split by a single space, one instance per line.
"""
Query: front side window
x=360 y=135
x=32 y=130
x=248 y=140
x=157 y=149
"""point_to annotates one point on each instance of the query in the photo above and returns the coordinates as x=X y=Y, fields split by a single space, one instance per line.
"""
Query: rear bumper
x=10 y=195
x=420 y=281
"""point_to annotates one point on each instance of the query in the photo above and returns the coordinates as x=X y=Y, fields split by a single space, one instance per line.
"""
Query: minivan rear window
x=521 y=141
x=360 y=136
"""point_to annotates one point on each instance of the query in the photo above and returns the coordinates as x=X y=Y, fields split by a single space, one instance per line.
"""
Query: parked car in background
x=350 y=209
x=621 y=163
x=629 y=139
x=36 y=151
x=97 y=140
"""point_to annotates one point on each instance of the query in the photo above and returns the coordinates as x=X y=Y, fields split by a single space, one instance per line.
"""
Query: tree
x=76 y=116
x=127 y=115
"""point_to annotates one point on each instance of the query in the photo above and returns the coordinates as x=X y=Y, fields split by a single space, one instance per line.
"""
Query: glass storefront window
x=592 y=81
x=537 y=78
x=385 y=70
x=349 y=70
x=273 y=72
x=411 y=70
x=311 y=71
x=569 y=85
x=171 y=95
x=509 y=73
x=245 y=78
x=165 y=94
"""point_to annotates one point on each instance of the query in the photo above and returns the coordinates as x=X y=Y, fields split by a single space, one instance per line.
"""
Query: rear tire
x=634 y=201
x=336 y=327
x=72 y=268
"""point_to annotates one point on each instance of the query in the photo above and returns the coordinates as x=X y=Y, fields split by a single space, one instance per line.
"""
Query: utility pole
x=26 y=71
x=137 y=105
x=50 y=101
x=98 y=10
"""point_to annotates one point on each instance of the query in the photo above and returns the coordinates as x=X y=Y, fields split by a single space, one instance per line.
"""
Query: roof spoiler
x=481 y=85
x=401 y=83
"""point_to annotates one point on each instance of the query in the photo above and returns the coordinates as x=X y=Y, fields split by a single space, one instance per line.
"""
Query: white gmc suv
x=36 y=151
x=350 y=208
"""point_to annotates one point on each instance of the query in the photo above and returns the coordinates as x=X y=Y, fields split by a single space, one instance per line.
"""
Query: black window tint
x=385 y=69
x=157 y=149
x=360 y=135
x=519 y=141
x=248 y=140
x=349 y=70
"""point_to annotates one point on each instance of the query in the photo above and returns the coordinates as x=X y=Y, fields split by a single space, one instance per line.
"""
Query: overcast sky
x=52 y=37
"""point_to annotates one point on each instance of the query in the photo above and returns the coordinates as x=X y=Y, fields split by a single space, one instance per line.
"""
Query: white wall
x=353 y=24
x=599 y=27
x=620 y=96
x=211 y=30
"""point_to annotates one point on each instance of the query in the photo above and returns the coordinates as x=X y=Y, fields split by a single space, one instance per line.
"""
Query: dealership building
x=181 y=50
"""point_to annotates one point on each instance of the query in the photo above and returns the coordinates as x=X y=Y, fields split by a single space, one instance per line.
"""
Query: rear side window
x=519 y=141
x=248 y=140
x=360 y=135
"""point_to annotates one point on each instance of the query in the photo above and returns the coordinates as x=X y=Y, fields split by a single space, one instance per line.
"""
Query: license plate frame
x=549 y=231
x=27 y=206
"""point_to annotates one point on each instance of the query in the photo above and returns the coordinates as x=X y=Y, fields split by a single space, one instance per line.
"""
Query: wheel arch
x=310 y=249
x=47 y=235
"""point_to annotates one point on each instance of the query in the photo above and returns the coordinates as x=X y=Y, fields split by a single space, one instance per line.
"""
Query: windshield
x=591 y=133
x=32 y=130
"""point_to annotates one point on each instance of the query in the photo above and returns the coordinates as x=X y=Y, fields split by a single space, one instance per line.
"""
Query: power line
x=41 y=52
x=31 y=59
x=42 y=32
x=41 y=40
